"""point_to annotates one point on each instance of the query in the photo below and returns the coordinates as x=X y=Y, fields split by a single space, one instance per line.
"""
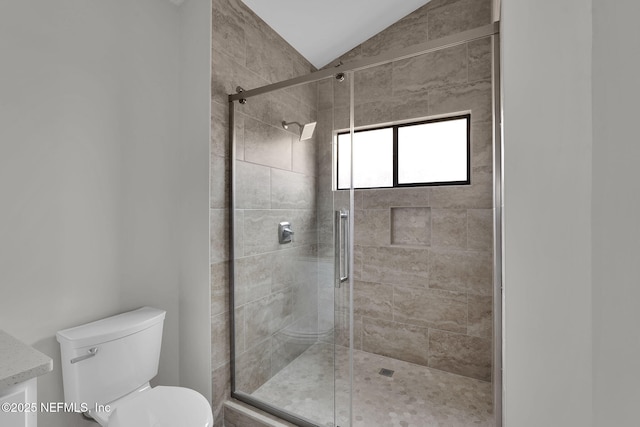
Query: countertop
x=20 y=362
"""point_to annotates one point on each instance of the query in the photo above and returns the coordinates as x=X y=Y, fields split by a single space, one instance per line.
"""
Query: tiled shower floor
x=416 y=396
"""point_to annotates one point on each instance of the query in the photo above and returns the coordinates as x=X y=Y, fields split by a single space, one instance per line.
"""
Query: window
x=431 y=152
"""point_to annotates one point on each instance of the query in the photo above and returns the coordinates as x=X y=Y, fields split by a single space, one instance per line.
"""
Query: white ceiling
x=322 y=30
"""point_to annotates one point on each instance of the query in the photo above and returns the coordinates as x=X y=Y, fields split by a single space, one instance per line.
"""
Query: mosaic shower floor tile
x=414 y=396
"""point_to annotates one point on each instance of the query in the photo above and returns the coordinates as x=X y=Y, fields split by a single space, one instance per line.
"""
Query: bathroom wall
x=275 y=179
x=615 y=209
x=192 y=224
x=548 y=179
x=423 y=256
x=89 y=109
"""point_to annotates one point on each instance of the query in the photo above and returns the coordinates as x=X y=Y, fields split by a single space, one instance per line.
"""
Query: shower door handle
x=342 y=247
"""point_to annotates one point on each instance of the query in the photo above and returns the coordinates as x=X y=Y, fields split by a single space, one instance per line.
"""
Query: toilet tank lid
x=111 y=328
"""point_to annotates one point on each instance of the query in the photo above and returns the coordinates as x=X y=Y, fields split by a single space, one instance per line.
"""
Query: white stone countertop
x=20 y=362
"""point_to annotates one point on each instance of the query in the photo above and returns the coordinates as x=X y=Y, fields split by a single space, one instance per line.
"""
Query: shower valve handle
x=287 y=230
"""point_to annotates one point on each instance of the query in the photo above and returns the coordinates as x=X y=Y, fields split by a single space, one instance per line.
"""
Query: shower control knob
x=285 y=233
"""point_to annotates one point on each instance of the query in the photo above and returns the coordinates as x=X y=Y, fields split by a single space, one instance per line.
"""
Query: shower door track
x=394 y=55
x=491 y=30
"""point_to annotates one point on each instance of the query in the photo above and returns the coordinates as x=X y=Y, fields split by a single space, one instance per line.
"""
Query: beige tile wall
x=423 y=260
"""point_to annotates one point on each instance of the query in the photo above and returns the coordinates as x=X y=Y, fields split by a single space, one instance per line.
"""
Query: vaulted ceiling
x=322 y=30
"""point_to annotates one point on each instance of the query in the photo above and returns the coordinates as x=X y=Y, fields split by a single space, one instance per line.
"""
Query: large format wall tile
x=219 y=287
x=372 y=227
x=285 y=268
x=252 y=186
x=397 y=340
x=228 y=74
x=480 y=60
x=480 y=229
x=373 y=300
x=306 y=93
x=458 y=16
x=396 y=197
x=373 y=112
x=219 y=187
x=431 y=309
x=283 y=107
x=266 y=316
x=357 y=261
x=220 y=130
x=239 y=325
x=341 y=330
x=409 y=31
x=373 y=84
x=460 y=354
x=261 y=229
x=221 y=381
x=414 y=105
x=238 y=231
x=258 y=108
x=267 y=145
x=475 y=96
x=411 y=226
x=477 y=195
x=431 y=70
x=304 y=156
x=290 y=190
x=253 y=278
x=449 y=228
x=253 y=367
x=461 y=271
x=227 y=28
x=482 y=144
x=270 y=56
x=394 y=265
x=219 y=240
x=220 y=352
x=480 y=316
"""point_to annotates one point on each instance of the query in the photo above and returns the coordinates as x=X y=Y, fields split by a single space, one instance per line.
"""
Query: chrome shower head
x=306 y=130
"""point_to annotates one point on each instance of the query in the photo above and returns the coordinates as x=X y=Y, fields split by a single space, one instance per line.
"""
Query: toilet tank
x=109 y=358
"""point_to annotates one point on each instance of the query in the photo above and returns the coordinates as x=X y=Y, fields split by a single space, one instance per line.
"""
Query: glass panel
x=342 y=203
x=433 y=152
x=284 y=316
x=372 y=159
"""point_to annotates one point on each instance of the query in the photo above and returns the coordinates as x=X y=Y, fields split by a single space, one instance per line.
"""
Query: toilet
x=106 y=369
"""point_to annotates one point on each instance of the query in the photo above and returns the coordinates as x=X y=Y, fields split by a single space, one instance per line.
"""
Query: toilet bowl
x=160 y=406
x=107 y=366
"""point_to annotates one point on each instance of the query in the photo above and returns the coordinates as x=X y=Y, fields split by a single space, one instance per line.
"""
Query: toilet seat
x=162 y=406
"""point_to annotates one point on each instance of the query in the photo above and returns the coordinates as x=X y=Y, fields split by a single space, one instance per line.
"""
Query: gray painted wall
x=90 y=105
x=192 y=226
x=547 y=212
x=615 y=212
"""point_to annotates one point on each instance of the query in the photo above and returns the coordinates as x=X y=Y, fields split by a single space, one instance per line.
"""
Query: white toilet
x=106 y=369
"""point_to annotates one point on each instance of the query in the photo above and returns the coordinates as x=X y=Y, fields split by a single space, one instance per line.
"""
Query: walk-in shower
x=382 y=305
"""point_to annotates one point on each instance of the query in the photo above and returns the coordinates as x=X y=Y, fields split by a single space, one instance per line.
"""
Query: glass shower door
x=291 y=320
x=342 y=198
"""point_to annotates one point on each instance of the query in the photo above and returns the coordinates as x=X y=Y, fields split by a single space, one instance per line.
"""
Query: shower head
x=306 y=130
